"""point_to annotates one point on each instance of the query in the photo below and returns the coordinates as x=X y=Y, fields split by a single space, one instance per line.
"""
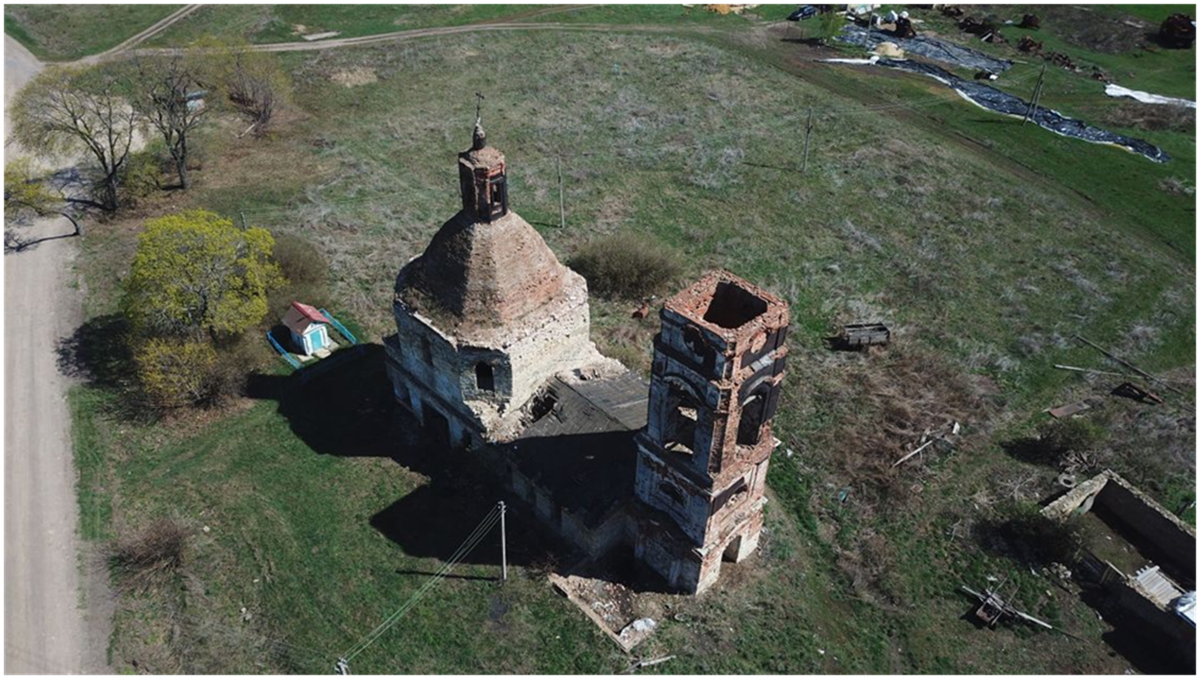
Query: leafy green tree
x=196 y=274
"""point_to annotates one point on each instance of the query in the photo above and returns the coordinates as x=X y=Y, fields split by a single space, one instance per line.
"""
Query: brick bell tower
x=481 y=178
x=702 y=458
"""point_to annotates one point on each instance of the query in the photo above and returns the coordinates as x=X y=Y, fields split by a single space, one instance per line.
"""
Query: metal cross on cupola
x=481 y=174
x=478 y=138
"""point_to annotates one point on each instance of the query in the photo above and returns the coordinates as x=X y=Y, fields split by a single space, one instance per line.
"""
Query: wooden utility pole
x=1037 y=96
x=808 y=125
x=562 y=204
x=503 y=545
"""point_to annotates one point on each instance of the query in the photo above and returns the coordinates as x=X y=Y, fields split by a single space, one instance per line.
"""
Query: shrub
x=306 y=271
x=625 y=265
x=149 y=556
x=1072 y=435
x=236 y=361
x=176 y=372
x=142 y=175
x=299 y=260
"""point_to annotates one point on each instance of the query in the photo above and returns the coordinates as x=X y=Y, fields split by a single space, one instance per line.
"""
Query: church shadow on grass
x=349 y=411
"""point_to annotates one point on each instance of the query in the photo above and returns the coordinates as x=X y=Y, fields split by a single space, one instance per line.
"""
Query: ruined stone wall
x=561 y=342
x=1152 y=522
x=659 y=548
x=689 y=568
x=428 y=356
x=676 y=373
x=672 y=492
x=441 y=368
x=611 y=533
x=703 y=457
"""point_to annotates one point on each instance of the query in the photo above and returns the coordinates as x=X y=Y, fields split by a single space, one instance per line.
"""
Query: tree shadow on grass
x=98 y=354
x=16 y=243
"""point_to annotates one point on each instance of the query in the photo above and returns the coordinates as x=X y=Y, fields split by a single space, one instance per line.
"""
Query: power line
x=469 y=544
x=391 y=620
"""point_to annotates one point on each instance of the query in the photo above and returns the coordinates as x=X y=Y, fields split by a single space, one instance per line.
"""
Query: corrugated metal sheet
x=1156 y=586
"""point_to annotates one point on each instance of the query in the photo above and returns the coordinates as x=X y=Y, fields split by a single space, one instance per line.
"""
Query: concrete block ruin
x=1142 y=556
x=492 y=355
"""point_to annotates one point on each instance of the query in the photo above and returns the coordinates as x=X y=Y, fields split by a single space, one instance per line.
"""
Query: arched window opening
x=671 y=491
x=683 y=413
x=426 y=350
x=751 y=422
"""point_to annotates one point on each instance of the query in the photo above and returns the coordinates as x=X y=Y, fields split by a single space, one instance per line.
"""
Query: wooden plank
x=1069 y=409
x=1129 y=365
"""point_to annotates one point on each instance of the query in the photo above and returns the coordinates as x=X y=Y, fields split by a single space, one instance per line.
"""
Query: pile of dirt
x=1151 y=117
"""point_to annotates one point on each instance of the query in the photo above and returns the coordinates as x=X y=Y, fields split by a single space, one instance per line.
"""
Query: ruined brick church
x=493 y=356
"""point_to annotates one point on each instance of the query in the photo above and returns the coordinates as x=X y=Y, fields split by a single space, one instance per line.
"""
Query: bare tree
x=168 y=93
x=78 y=109
x=253 y=82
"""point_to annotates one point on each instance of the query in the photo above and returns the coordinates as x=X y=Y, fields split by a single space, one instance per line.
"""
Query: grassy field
x=983 y=244
x=285 y=23
x=69 y=32
x=1091 y=38
x=1155 y=13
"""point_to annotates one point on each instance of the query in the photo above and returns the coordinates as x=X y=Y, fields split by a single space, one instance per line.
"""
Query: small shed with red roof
x=308 y=326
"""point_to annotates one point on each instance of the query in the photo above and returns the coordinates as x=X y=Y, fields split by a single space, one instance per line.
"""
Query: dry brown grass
x=1151 y=117
x=887 y=400
x=149 y=557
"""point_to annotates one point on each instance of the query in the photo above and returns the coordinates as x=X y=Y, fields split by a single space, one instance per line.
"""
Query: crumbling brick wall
x=703 y=457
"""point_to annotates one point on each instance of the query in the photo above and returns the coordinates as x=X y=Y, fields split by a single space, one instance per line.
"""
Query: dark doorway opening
x=485 y=376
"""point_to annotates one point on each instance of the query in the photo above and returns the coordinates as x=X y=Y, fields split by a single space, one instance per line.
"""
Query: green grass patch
x=69 y=32
x=91 y=451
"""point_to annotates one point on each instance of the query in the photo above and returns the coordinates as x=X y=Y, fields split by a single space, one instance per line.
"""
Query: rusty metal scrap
x=1133 y=391
x=859 y=335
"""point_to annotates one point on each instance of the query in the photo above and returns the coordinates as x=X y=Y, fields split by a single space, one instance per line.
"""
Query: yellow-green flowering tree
x=176 y=372
x=195 y=274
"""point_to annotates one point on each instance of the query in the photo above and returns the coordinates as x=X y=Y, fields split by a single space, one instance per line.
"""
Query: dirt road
x=145 y=35
x=45 y=627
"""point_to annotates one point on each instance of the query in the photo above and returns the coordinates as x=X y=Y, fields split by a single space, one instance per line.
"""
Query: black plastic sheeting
x=930 y=48
x=1002 y=102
